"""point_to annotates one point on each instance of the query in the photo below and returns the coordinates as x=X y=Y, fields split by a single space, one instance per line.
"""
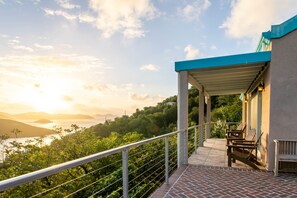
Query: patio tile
x=207 y=175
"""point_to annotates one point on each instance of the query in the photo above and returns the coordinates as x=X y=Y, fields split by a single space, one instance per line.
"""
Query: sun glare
x=46 y=96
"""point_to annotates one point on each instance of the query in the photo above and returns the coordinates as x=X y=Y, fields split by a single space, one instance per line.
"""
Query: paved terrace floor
x=207 y=175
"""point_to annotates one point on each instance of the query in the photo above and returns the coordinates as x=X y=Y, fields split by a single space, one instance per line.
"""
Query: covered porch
x=235 y=74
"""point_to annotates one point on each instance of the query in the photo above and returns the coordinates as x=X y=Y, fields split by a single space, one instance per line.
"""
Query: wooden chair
x=238 y=133
x=250 y=138
x=243 y=151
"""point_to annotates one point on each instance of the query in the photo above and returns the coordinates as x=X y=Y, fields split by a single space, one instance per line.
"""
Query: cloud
x=140 y=97
x=64 y=14
x=45 y=47
x=118 y=16
x=248 y=19
x=37 y=85
x=60 y=63
x=15 y=44
x=22 y=47
x=67 y=4
x=193 y=11
x=88 y=87
x=86 y=18
x=2 y=2
x=149 y=67
x=111 y=16
x=108 y=88
x=67 y=98
x=35 y=2
x=191 y=52
x=13 y=41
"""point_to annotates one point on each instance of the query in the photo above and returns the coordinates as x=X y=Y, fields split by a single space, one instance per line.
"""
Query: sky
x=113 y=56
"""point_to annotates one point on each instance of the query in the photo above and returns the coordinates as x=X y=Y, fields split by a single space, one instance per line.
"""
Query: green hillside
x=161 y=119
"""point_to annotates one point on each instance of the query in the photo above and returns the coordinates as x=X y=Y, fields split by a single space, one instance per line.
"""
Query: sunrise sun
x=46 y=96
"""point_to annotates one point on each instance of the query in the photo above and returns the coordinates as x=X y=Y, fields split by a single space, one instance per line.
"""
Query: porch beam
x=197 y=85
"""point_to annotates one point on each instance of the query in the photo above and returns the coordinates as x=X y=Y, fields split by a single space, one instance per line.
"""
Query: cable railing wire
x=151 y=182
x=151 y=179
x=151 y=160
x=106 y=187
x=152 y=186
x=145 y=171
x=60 y=185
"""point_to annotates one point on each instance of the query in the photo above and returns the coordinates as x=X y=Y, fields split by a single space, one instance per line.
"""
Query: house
x=266 y=79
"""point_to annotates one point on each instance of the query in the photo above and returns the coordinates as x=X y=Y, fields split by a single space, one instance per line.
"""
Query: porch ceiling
x=227 y=74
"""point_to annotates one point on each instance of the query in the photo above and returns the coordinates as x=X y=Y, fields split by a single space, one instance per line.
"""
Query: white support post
x=201 y=116
x=244 y=110
x=166 y=160
x=182 y=118
x=208 y=117
x=249 y=116
x=125 y=172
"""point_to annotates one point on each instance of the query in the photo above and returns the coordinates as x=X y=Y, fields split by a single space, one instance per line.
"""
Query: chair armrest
x=234 y=138
x=243 y=146
x=240 y=143
x=244 y=141
x=234 y=132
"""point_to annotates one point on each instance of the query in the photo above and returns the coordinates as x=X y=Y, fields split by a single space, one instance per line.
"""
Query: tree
x=16 y=131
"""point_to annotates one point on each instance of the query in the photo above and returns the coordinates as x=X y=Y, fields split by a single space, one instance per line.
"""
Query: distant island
x=26 y=130
x=43 y=121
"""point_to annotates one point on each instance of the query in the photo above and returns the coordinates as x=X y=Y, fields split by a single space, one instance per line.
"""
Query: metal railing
x=158 y=167
x=30 y=177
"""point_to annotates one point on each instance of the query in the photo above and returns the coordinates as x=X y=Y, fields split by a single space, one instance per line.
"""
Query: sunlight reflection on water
x=65 y=124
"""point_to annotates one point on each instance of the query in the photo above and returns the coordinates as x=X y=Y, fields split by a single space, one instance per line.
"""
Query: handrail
x=29 y=177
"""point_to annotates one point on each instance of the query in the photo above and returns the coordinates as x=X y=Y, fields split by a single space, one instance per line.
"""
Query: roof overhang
x=225 y=75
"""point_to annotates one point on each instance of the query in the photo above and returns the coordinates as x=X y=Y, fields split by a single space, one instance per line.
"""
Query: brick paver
x=213 y=181
x=207 y=175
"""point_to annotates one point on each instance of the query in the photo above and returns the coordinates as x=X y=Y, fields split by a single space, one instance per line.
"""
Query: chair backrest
x=259 y=139
x=255 y=145
x=243 y=128
x=239 y=127
x=251 y=135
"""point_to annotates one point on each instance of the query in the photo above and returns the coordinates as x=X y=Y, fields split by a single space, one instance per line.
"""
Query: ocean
x=65 y=124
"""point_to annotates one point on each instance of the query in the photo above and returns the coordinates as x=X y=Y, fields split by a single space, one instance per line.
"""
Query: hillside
x=161 y=118
x=6 y=126
x=6 y=116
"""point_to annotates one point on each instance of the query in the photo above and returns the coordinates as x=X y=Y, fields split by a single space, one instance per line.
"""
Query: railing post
x=185 y=147
x=166 y=159
x=201 y=135
x=276 y=157
x=195 y=141
x=125 y=172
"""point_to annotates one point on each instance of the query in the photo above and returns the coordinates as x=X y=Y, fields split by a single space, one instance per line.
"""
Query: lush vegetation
x=102 y=178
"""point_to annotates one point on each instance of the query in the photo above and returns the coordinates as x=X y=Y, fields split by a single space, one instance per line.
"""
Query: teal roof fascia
x=223 y=61
x=267 y=35
x=278 y=31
